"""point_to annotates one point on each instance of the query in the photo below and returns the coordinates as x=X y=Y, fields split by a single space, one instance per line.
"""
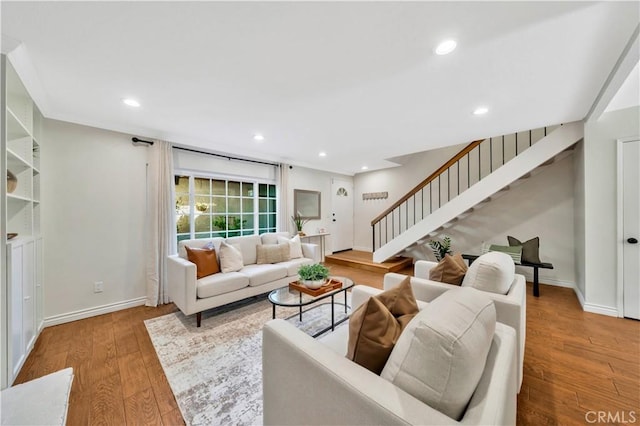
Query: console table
x=321 y=236
x=535 y=266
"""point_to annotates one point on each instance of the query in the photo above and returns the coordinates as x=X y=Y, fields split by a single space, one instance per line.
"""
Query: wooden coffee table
x=296 y=299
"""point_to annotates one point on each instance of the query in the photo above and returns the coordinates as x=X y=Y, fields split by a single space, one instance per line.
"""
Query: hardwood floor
x=575 y=362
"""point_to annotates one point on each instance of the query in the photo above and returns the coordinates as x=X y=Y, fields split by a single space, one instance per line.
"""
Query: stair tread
x=364 y=260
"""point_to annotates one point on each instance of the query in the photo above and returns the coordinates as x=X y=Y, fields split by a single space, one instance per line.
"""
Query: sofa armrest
x=305 y=382
x=422 y=267
x=182 y=283
x=360 y=294
x=311 y=251
x=424 y=290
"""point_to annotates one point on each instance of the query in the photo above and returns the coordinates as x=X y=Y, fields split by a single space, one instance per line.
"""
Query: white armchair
x=511 y=308
x=310 y=381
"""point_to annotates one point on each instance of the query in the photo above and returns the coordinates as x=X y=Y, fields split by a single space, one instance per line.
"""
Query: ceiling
x=357 y=80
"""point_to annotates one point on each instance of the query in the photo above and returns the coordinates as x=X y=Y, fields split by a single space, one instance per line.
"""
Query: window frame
x=257 y=229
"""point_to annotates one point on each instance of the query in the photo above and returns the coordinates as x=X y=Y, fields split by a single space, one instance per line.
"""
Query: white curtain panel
x=161 y=239
x=283 y=187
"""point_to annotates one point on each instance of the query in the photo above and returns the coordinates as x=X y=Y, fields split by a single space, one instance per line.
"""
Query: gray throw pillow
x=530 y=249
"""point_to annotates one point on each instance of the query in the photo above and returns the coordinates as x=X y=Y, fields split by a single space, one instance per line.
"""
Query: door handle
x=632 y=240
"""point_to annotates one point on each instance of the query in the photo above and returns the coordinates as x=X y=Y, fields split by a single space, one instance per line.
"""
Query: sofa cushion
x=530 y=249
x=374 y=327
x=271 y=253
x=450 y=270
x=230 y=258
x=221 y=283
x=440 y=356
x=294 y=264
x=247 y=245
x=272 y=237
x=262 y=274
x=294 y=244
x=206 y=261
x=493 y=272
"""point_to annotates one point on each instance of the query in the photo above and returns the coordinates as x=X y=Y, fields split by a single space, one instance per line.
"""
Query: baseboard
x=580 y=296
x=92 y=312
x=557 y=283
x=600 y=309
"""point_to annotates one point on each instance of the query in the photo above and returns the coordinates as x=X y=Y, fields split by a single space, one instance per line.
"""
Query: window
x=212 y=207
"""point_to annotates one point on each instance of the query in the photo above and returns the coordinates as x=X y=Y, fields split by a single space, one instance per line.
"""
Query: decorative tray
x=332 y=284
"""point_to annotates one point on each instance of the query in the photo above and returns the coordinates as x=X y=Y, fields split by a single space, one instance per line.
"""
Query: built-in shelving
x=21 y=257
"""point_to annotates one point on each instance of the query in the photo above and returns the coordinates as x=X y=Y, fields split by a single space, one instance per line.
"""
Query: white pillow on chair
x=493 y=272
x=441 y=354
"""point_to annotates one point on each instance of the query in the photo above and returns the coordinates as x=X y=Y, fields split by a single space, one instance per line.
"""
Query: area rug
x=215 y=371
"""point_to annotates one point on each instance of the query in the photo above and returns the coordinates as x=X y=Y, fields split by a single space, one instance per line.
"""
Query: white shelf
x=15 y=128
x=18 y=198
x=14 y=160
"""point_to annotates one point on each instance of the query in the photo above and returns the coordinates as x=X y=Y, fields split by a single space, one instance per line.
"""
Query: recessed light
x=131 y=102
x=364 y=168
x=258 y=137
x=480 y=110
x=322 y=154
x=446 y=47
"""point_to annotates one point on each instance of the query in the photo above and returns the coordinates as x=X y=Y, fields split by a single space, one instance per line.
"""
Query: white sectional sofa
x=192 y=295
x=310 y=381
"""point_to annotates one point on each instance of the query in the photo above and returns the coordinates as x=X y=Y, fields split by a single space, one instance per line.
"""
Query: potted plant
x=441 y=248
x=299 y=222
x=313 y=276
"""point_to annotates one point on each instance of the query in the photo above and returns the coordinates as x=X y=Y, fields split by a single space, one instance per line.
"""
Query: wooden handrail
x=428 y=180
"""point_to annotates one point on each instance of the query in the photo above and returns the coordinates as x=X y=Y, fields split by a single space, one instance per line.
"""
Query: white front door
x=631 y=228
x=342 y=214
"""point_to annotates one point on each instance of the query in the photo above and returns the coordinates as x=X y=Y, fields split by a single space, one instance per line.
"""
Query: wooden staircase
x=364 y=260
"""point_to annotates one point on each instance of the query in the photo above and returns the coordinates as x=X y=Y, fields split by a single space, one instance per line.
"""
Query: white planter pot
x=312 y=284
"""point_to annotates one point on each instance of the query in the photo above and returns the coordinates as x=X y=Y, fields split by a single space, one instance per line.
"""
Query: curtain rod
x=227 y=156
x=137 y=140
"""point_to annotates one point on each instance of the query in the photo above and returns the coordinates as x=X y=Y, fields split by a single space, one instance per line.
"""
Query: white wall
x=313 y=180
x=397 y=182
x=542 y=206
x=93 y=196
x=600 y=165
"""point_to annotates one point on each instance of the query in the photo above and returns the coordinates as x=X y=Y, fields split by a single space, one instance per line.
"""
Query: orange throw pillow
x=206 y=261
x=375 y=326
x=450 y=270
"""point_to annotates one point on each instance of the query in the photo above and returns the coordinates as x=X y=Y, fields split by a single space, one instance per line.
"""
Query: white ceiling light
x=131 y=102
x=365 y=168
x=446 y=47
x=480 y=110
x=322 y=154
x=258 y=137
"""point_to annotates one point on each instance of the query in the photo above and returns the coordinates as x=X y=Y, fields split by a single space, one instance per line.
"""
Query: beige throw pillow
x=376 y=325
x=450 y=270
x=272 y=253
x=206 y=261
x=440 y=356
x=230 y=258
x=295 y=246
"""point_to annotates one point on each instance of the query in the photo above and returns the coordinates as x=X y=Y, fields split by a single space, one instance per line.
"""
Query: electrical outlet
x=98 y=287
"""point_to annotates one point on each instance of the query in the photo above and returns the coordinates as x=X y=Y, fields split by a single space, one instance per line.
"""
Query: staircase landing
x=364 y=260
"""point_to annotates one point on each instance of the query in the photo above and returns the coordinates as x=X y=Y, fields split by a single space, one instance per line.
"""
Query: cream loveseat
x=511 y=307
x=192 y=295
x=310 y=381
